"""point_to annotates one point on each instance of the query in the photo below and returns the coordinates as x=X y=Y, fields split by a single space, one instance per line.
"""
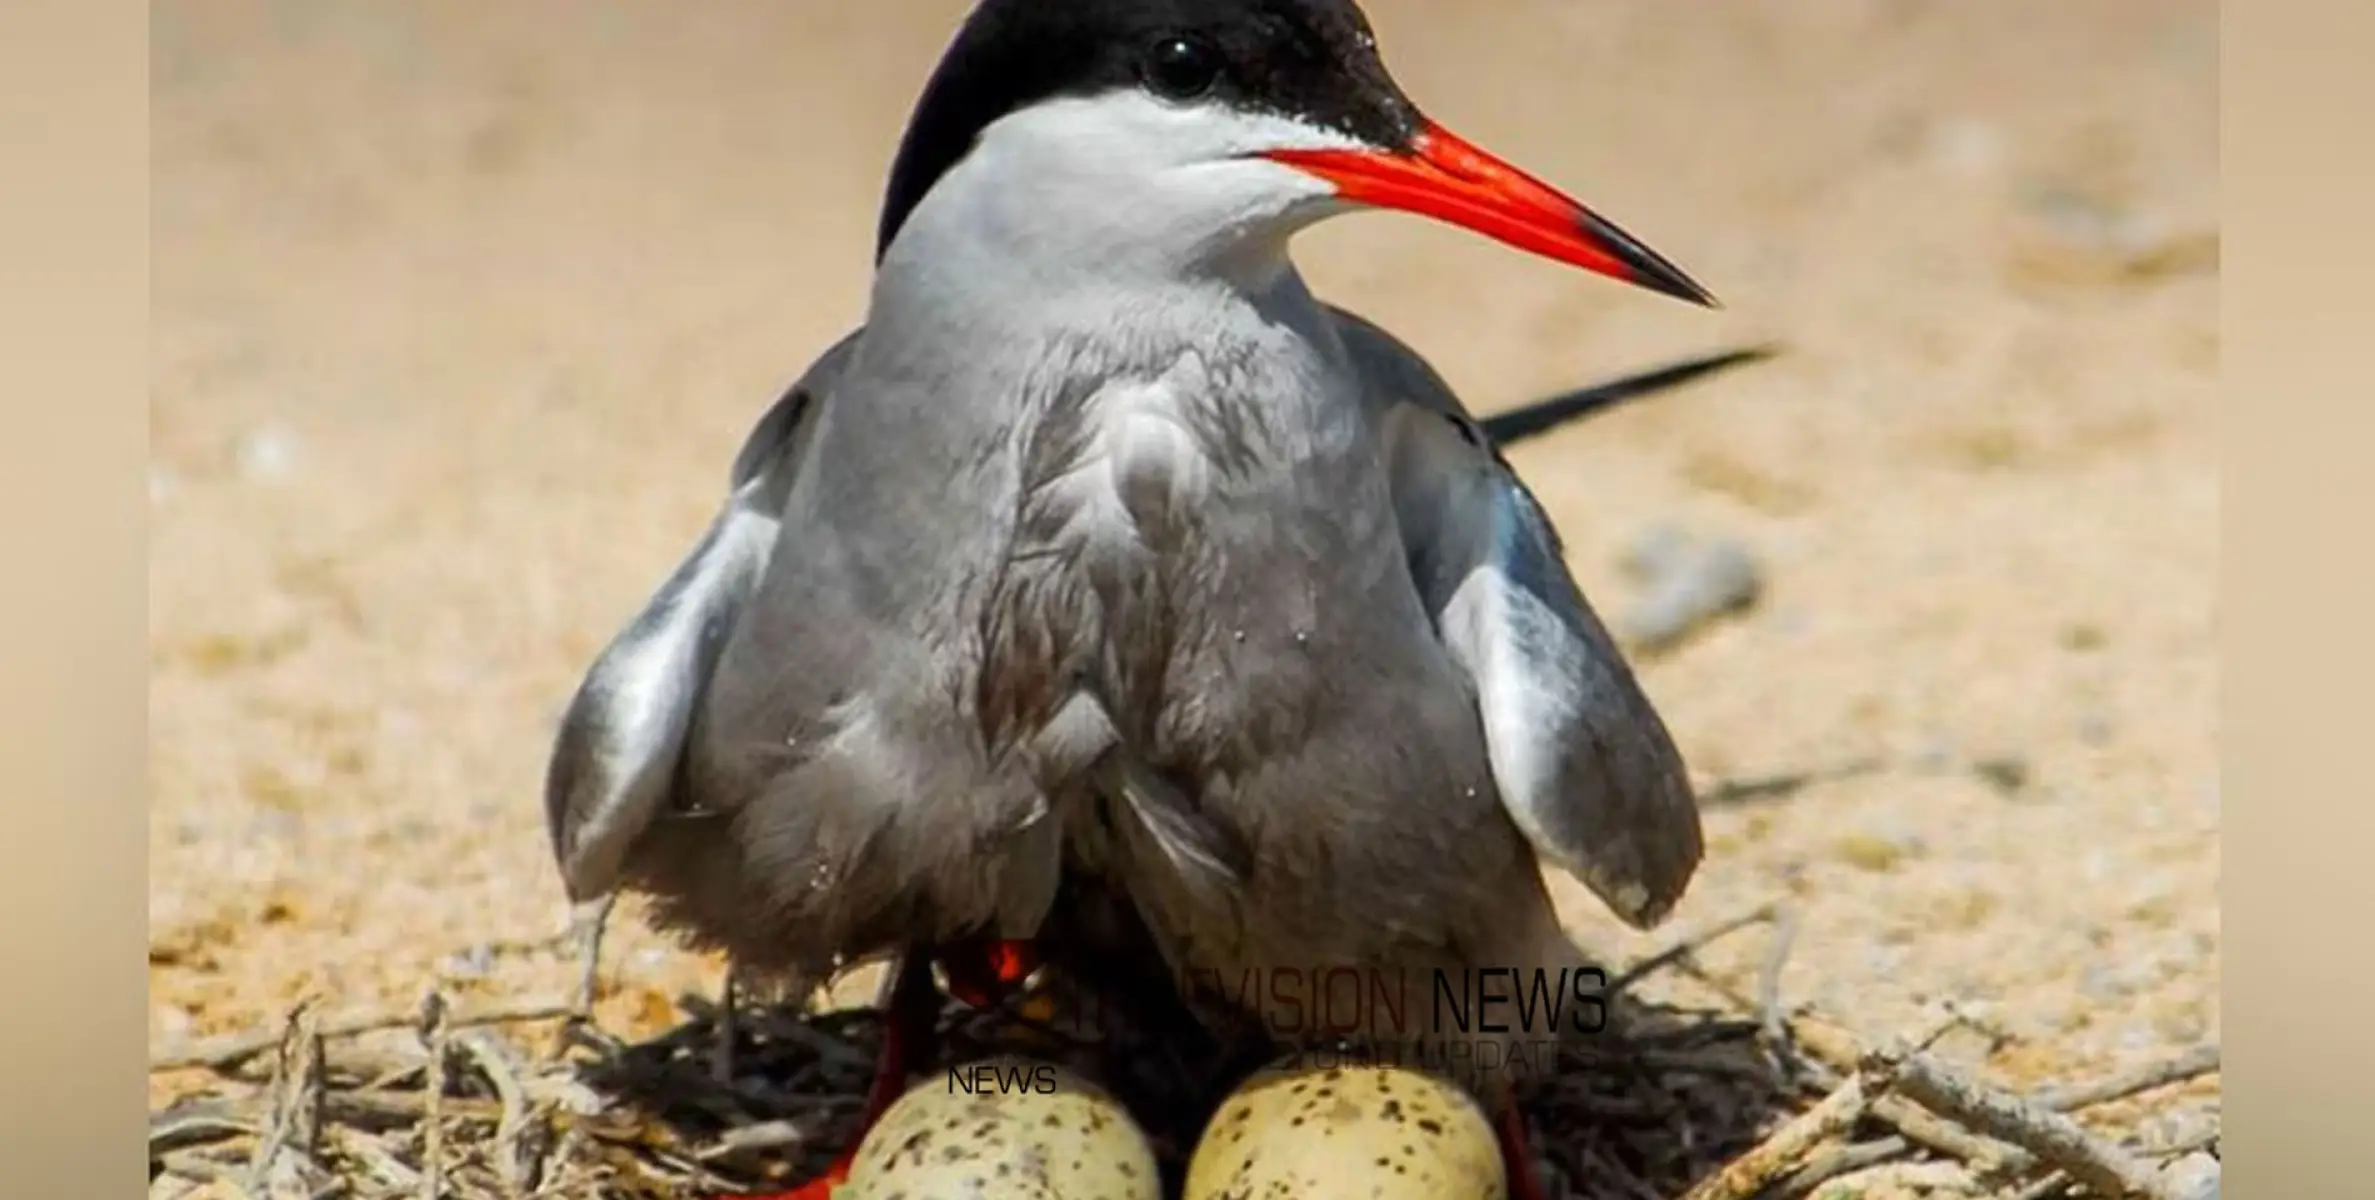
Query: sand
x=462 y=310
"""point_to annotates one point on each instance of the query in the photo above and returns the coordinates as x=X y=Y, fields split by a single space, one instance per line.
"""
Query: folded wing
x=614 y=762
x=1584 y=765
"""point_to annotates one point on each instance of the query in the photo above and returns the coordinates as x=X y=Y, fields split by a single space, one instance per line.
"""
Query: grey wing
x=614 y=762
x=1584 y=765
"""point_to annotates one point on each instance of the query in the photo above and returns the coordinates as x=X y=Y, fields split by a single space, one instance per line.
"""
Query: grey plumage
x=1620 y=813
x=1107 y=565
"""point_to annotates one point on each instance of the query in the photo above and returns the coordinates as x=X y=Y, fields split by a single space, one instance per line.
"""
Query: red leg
x=909 y=1026
x=1517 y=1157
x=984 y=972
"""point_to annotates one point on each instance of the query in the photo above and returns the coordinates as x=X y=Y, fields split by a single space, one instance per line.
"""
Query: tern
x=1104 y=560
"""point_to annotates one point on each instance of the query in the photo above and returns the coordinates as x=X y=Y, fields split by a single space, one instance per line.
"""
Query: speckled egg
x=1310 y=1129
x=1005 y=1128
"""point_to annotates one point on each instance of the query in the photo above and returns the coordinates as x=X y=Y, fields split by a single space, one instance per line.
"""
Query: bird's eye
x=1181 y=68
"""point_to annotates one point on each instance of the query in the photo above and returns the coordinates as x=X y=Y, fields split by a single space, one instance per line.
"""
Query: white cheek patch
x=1119 y=181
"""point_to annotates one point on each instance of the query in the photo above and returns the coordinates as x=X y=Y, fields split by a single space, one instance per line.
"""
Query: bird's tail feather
x=1542 y=416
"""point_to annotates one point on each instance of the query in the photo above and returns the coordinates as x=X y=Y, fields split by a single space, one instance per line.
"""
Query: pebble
x=1654 y=552
x=2074 y=237
x=175 y=1022
x=2095 y=729
x=1967 y=147
x=2007 y=774
x=2102 y=981
x=267 y=454
x=2193 y=1177
x=1687 y=588
x=1935 y=755
x=477 y=962
x=2179 y=1126
x=161 y=485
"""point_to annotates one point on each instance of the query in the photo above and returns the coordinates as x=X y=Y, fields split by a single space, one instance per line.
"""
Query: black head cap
x=1314 y=60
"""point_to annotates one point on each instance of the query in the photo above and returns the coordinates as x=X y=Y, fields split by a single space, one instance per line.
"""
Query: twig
x=313 y=1083
x=766 y=1135
x=434 y=1031
x=2051 y=1136
x=2054 y=1181
x=2193 y=1064
x=1918 y=1126
x=296 y=1110
x=1749 y=1174
x=1735 y=792
x=2183 y=1146
x=511 y=1128
x=1771 y=1017
x=721 y=1061
x=191 y=1164
x=189 y=1124
x=384 y=1168
x=228 y=1053
x=1692 y=944
x=386 y=1110
x=1785 y=939
x=1845 y=1160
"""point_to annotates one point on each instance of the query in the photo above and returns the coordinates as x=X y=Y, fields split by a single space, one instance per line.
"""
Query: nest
x=1711 y=1104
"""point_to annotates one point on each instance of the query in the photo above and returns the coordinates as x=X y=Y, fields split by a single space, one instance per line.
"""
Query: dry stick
x=1785 y=938
x=1915 y=1125
x=2192 y=1064
x=511 y=1128
x=386 y=1110
x=721 y=1061
x=228 y=1053
x=384 y=1168
x=296 y=1115
x=2054 y=1181
x=1749 y=1174
x=434 y=1033
x=192 y=1164
x=1845 y=1160
x=1685 y=948
x=1841 y=1049
x=1731 y=792
x=1925 y=1129
x=188 y=1125
x=766 y=1135
x=314 y=1080
x=2051 y=1136
x=1770 y=1015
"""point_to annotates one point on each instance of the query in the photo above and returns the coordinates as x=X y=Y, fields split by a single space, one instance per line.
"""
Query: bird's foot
x=820 y=1188
x=985 y=972
x=909 y=1026
x=1517 y=1152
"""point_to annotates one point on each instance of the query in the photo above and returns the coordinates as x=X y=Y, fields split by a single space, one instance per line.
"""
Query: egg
x=1315 y=1129
x=1005 y=1128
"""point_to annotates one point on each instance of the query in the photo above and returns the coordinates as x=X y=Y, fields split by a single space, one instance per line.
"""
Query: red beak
x=1443 y=176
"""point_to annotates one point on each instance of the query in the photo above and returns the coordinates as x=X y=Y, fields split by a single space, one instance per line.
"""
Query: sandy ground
x=461 y=310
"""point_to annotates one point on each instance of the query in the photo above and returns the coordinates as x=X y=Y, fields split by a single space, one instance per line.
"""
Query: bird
x=1106 y=566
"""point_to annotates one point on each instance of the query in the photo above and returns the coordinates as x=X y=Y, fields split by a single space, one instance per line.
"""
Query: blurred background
x=462 y=309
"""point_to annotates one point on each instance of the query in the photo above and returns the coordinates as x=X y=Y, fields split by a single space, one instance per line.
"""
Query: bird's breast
x=1166 y=525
